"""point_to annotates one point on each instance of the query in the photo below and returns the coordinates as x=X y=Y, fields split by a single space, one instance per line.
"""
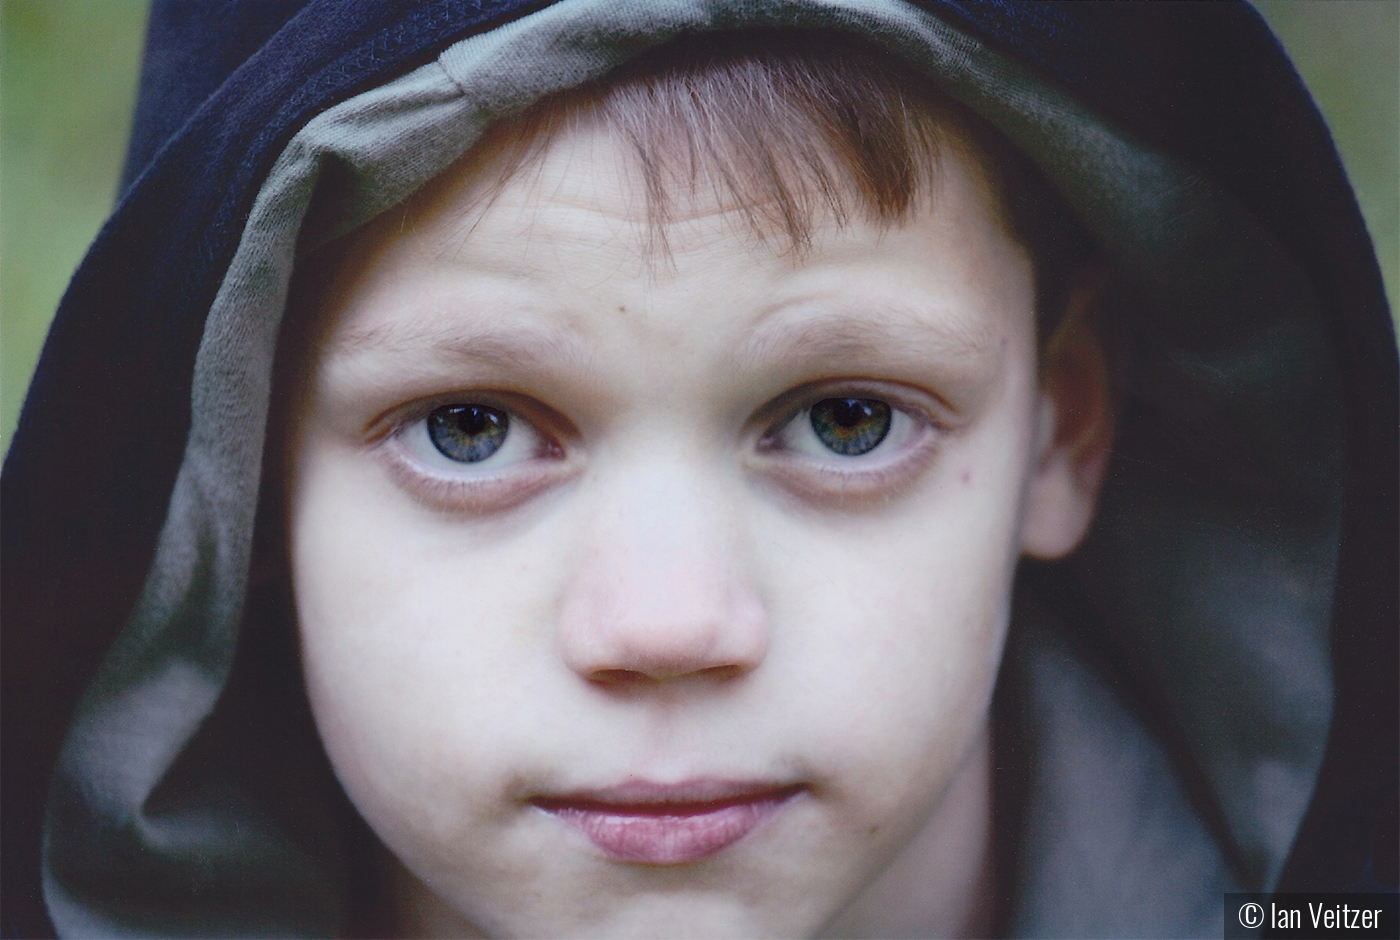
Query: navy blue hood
x=89 y=478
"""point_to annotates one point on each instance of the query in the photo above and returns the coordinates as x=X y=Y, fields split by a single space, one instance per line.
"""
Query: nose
x=660 y=592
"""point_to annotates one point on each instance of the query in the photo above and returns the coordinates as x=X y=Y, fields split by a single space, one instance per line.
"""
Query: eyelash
x=880 y=472
x=454 y=488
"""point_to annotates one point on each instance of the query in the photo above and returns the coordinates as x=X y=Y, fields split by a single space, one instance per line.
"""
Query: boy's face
x=579 y=529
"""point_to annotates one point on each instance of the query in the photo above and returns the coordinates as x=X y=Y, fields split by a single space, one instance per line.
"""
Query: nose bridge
x=658 y=591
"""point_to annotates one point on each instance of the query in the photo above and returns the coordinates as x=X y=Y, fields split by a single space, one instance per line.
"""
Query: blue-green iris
x=468 y=433
x=851 y=426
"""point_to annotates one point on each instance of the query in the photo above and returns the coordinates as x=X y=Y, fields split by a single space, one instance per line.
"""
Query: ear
x=1074 y=435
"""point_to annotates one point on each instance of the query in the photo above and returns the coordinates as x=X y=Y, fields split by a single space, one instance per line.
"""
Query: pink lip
x=668 y=824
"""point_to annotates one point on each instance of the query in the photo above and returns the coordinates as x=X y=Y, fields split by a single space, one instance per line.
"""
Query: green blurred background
x=68 y=71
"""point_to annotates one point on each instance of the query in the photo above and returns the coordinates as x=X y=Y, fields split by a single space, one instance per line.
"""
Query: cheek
x=895 y=620
x=422 y=659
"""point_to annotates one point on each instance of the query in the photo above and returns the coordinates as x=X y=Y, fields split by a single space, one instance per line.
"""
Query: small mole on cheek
x=874 y=829
x=621 y=309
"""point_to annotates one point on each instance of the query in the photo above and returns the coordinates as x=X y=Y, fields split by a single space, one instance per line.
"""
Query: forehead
x=547 y=282
x=573 y=226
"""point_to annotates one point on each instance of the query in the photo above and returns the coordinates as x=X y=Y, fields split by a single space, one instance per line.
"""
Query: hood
x=1203 y=698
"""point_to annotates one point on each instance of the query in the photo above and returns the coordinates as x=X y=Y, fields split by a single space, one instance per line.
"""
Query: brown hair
x=791 y=123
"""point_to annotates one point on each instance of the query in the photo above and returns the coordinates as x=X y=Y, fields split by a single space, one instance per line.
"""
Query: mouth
x=668 y=824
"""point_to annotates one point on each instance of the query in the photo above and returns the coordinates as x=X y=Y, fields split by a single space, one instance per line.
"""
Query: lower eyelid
x=852 y=480
x=474 y=494
x=470 y=495
x=445 y=488
x=494 y=488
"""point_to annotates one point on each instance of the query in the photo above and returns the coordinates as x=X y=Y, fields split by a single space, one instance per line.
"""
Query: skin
x=675 y=579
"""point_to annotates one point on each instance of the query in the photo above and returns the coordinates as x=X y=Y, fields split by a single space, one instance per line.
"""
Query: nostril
x=622 y=677
x=721 y=673
x=637 y=677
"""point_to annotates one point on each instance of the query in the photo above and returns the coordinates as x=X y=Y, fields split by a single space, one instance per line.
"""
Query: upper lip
x=640 y=795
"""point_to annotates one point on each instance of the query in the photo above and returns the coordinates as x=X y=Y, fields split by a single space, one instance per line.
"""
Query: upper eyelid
x=770 y=418
x=544 y=420
x=778 y=413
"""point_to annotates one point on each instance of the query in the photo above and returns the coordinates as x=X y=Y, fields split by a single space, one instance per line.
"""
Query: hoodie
x=1201 y=699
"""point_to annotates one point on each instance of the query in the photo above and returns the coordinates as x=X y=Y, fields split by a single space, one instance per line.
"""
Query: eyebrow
x=879 y=328
x=518 y=345
x=915 y=338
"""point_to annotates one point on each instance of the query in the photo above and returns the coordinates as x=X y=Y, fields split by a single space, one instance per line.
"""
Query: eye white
x=800 y=437
x=522 y=443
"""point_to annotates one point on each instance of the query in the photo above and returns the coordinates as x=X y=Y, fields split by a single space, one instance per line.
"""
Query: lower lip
x=667 y=833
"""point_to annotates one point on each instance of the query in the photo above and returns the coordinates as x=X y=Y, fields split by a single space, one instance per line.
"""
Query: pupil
x=851 y=426
x=468 y=433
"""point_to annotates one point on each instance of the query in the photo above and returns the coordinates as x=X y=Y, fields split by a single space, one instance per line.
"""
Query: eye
x=850 y=426
x=468 y=433
x=472 y=438
x=480 y=455
x=841 y=443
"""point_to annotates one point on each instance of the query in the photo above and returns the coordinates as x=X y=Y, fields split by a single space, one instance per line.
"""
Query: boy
x=706 y=554
x=652 y=484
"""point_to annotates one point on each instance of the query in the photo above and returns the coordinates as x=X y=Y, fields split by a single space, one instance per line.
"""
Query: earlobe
x=1074 y=436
